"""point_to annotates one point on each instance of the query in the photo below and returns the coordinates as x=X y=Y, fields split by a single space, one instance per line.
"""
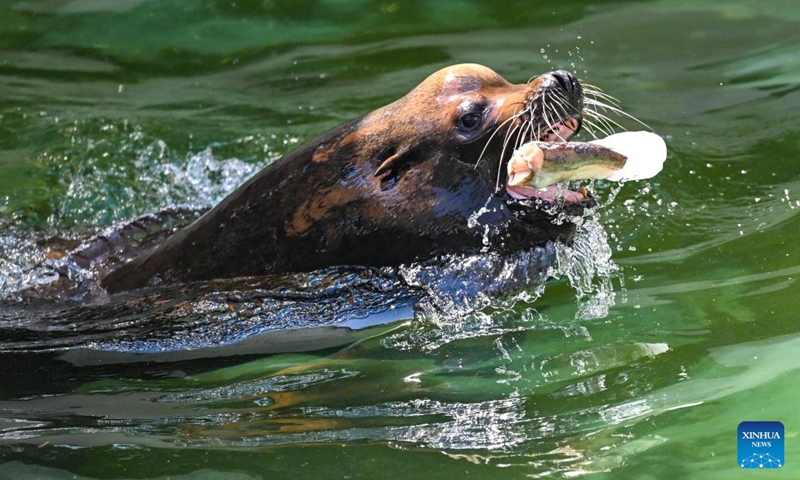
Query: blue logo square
x=761 y=445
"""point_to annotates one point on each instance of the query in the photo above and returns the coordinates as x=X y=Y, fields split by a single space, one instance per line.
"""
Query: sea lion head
x=479 y=117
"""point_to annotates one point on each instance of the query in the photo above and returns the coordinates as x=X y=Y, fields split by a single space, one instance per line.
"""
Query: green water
x=114 y=109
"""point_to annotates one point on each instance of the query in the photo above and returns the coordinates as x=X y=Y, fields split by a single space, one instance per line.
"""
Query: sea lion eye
x=470 y=121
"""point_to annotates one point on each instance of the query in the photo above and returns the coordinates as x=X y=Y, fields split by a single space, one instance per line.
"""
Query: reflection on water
x=297 y=399
x=669 y=321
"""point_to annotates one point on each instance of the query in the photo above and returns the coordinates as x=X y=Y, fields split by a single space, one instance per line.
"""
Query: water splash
x=201 y=179
x=19 y=254
x=480 y=295
x=588 y=266
x=137 y=173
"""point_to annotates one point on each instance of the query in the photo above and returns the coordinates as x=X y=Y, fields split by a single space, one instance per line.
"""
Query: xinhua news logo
x=761 y=445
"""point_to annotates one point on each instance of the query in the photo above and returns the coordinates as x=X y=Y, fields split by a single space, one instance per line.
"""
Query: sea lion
x=422 y=176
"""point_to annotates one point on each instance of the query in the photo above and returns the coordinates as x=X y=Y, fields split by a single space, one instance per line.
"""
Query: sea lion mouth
x=556 y=132
x=553 y=113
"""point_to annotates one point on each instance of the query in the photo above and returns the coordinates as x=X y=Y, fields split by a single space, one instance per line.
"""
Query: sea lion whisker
x=558 y=108
x=598 y=109
x=526 y=116
x=606 y=107
x=601 y=96
x=558 y=133
x=561 y=97
x=590 y=110
x=551 y=124
x=608 y=120
x=589 y=127
x=491 y=137
x=559 y=100
x=537 y=133
x=598 y=92
x=502 y=156
x=604 y=125
x=551 y=127
x=623 y=113
x=524 y=127
x=605 y=103
x=507 y=134
x=589 y=124
x=617 y=110
x=525 y=132
x=563 y=107
x=545 y=117
x=598 y=100
x=601 y=105
x=528 y=124
x=520 y=138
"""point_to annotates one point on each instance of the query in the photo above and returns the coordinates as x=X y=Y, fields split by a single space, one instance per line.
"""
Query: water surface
x=641 y=366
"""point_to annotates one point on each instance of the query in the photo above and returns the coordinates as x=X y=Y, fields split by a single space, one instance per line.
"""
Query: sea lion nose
x=568 y=82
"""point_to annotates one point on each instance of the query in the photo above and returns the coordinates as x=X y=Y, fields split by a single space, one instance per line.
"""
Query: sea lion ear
x=391 y=169
x=389 y=164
